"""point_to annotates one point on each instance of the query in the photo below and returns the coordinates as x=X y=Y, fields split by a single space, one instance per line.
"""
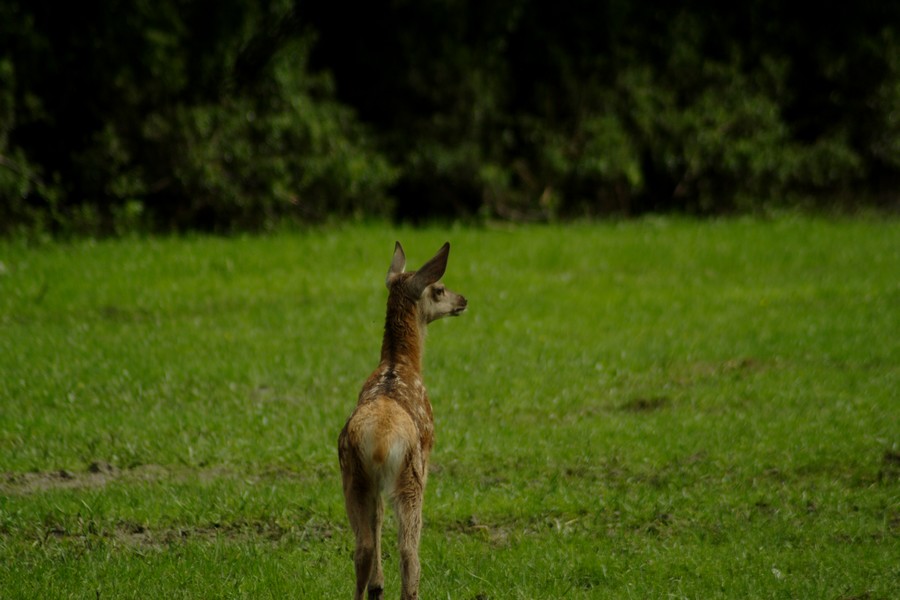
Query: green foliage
x=190 y=115
x=614 y=107
x=19 y=179
x=236 y=115
x=640 y=409
x=256 y=157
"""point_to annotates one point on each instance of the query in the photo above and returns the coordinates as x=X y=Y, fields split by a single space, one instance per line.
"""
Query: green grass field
x=650 y=409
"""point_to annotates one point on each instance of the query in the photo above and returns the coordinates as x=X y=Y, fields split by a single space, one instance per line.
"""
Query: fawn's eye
x=438 y=292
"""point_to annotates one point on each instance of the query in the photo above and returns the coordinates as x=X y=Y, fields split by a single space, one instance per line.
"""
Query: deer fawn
x=384 y=446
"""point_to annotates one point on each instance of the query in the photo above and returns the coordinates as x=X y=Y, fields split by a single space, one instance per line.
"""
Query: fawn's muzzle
x=460 y=307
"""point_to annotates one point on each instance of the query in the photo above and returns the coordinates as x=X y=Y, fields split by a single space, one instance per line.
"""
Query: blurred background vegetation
x=230 y=115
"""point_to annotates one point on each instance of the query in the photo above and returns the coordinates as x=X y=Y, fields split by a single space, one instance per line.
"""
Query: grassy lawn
x=649 y=409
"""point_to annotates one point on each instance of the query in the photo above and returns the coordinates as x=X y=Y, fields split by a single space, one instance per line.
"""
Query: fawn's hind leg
x=361 y=513
x=365 y=512
x=408 y=506
x=376 y=580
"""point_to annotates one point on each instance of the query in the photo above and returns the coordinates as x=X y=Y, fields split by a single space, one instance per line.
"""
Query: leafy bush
x=256 y=157
x=20 y=179
x=237 y=115
x=176 y=115
x=531 y=112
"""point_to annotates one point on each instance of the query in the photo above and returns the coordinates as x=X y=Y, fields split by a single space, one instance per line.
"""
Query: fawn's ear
x=431 y=271
x=398 y=264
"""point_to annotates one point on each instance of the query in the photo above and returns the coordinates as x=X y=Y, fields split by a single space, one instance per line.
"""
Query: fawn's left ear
x=398 y=264
x=431 y=271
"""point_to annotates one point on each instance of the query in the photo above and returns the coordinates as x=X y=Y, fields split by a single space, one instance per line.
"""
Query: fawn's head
x=433 y=300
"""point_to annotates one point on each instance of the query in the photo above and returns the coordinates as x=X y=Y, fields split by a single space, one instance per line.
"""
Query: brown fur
x=385 y=445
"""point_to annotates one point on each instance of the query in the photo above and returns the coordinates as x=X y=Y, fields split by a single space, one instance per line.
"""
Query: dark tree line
x=180 y=114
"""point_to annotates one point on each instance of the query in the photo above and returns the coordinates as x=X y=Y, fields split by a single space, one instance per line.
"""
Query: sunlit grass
x=642 y=409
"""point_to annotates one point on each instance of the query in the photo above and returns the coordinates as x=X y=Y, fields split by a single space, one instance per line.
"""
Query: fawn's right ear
x=398 y=264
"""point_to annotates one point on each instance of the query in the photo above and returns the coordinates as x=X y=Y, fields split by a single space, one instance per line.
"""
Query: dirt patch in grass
x=642 y=405
x=100 y=474
x=97 y=474
x=306 y=531
x=734 y=368
x=890 y=466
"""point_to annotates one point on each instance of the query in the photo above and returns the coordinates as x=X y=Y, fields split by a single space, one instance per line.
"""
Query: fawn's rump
x=383 y=438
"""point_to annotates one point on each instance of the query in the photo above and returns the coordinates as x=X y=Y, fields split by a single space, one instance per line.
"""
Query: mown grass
x=660 y=408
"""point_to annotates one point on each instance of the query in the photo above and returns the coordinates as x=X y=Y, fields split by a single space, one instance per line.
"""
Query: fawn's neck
x=404 y=334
